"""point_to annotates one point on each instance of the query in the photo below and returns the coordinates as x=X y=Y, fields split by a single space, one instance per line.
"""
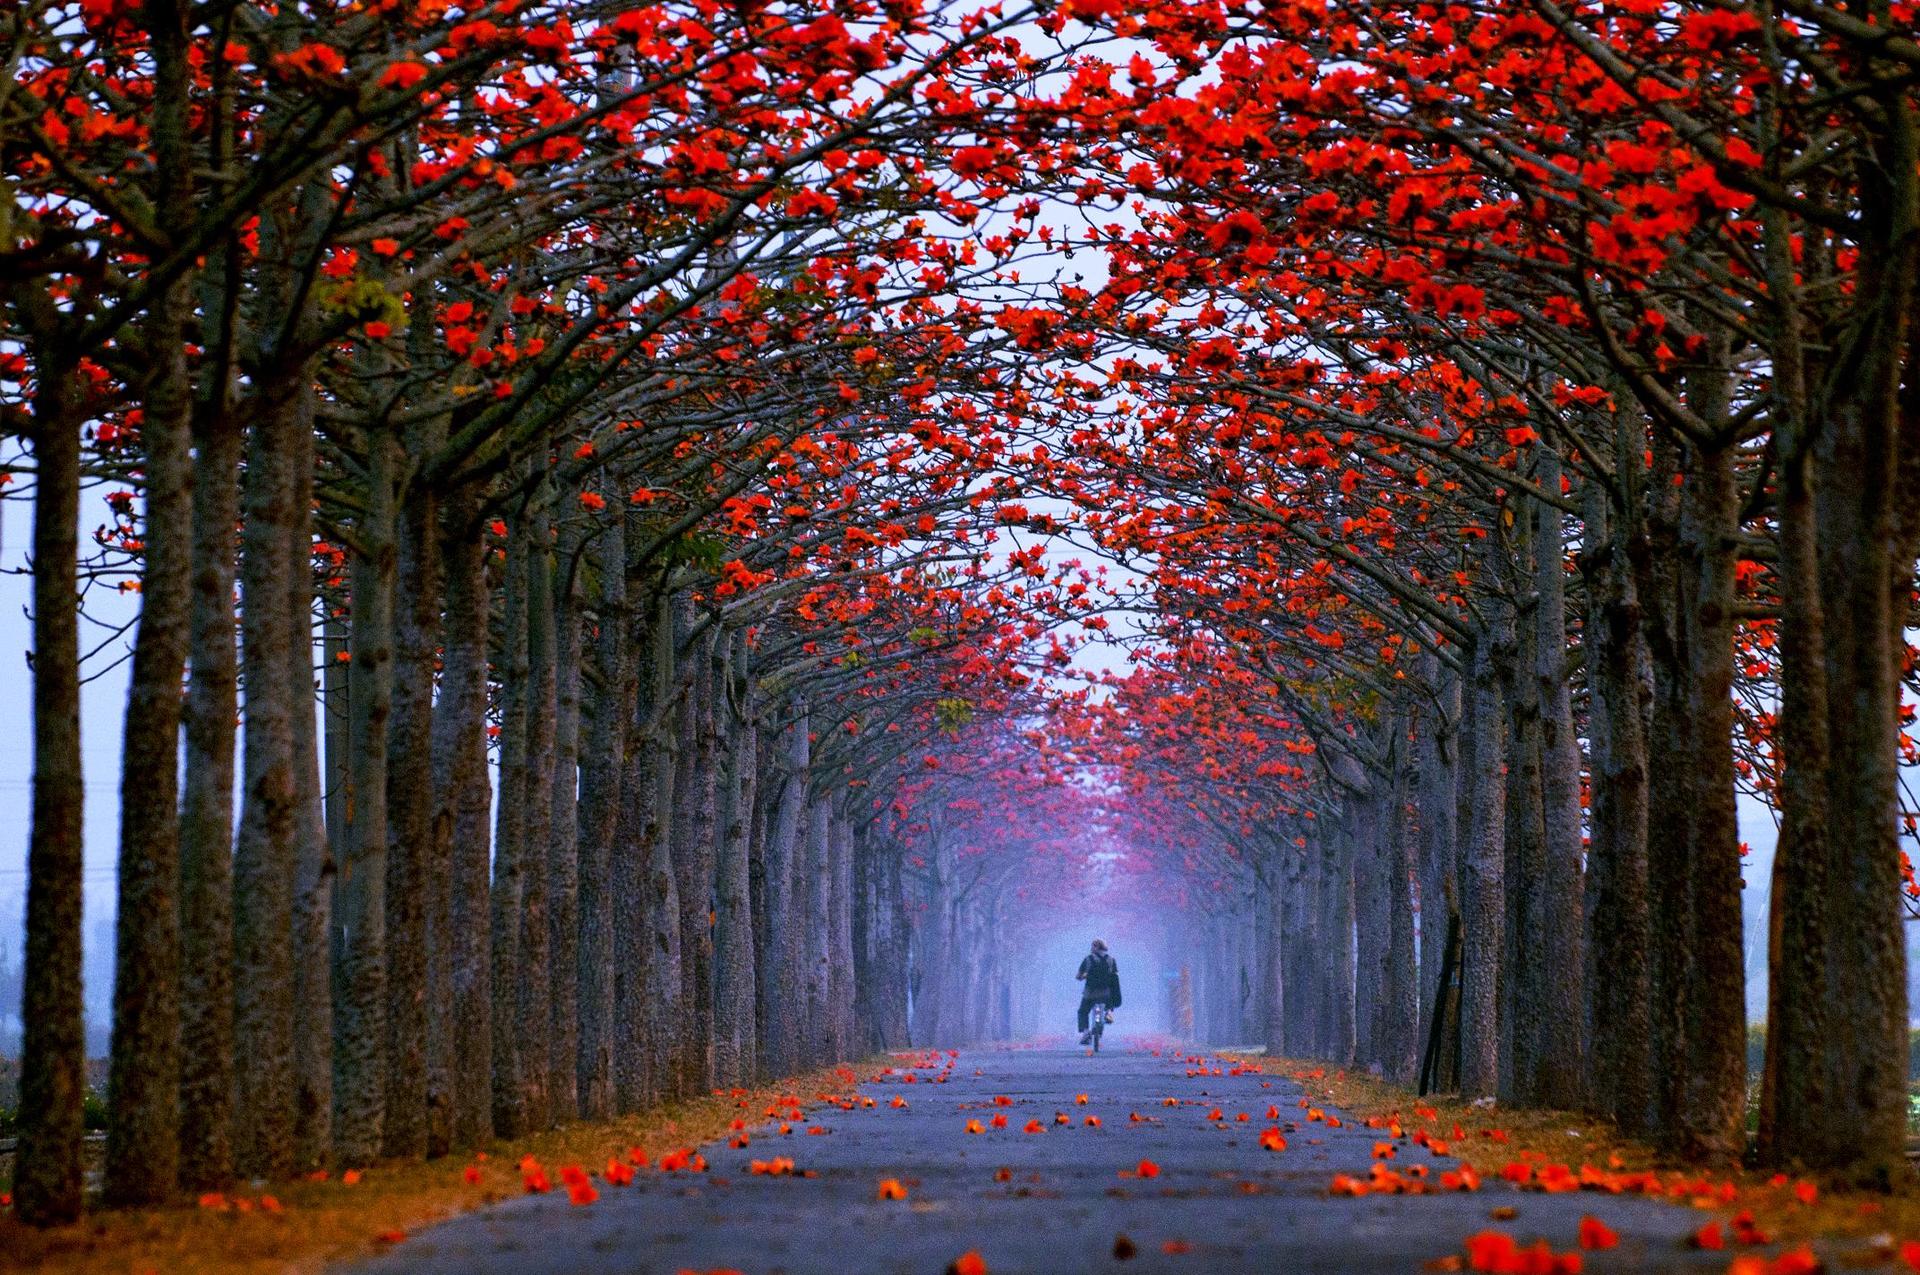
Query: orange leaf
x=1597 y=1234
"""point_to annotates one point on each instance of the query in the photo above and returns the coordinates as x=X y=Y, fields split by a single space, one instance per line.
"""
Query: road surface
x=1068 y=1198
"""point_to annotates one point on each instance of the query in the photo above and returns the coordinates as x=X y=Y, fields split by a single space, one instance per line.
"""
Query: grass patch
x=302 y=1226
x=1867 y=1226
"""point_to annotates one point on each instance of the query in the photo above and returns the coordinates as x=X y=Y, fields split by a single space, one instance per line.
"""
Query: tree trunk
x=143 y=1128
x=816 y=923
x=265 y=847
x=899 y=939
x=610 y=703
x=510 y=855
x=534 y=1027
x=1363 y=821
x=760 y=886
x=1620 y=939
x=1523 y=978
x=1398 y=1045
x=53 y=1058
x=1563 y=1039
x=734 y=954
x=840 y=950
x=410 y=818
x=360 y=1040
x=1483 y=901
x=785 y=960
x=315 y=871
x=1864 y=562
x=695 y=828
x=1273 y=869
x=1339 y=880
x=662 y=998
x=463 y=806
x=563 y=855
x=630 y=867
x=1436 y=763
x=206 y=813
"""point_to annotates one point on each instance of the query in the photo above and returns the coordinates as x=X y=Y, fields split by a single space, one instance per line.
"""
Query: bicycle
x=1096 y=1024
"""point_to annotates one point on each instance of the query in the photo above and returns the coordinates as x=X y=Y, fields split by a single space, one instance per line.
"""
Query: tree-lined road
x=1220 y=1202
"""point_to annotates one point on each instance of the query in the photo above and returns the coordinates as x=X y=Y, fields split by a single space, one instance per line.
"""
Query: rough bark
x=410 y=811
x=1563 y=987
x=735 y=958
x=143 y=1131
x=1523 y=976
x=661 y=998
x=532 y=998
x=696 y=825
x=360 y=1040
x=1365 y=824
x=1619 y=932
x=608 y=700
x=315 y=871
x=1395 y=1037
x=53 y=1060
x=509 y=840
x=816 y=922
x=785 y=958
x=1436 y=763
x=463 y=801
x=1483 y=906
x=206 y=813
x=840 y=937
x=264 y=847
x=563 y=853
x=897 y=1035
x=629 y=868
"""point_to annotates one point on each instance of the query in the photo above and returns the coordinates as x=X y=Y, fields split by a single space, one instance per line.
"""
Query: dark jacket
x=1102 y=974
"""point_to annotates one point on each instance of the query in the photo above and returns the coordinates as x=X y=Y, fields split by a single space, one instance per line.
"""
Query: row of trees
x=574 y=385
x=1507 y=410
x=1511 y=407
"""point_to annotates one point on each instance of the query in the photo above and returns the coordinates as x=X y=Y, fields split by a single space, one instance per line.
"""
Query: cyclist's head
x=1099 y=945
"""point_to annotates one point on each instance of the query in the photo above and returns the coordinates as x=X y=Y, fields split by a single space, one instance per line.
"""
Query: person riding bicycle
x=1101 y=974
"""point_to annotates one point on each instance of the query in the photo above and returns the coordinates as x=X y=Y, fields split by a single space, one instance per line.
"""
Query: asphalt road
x=1068 y=1198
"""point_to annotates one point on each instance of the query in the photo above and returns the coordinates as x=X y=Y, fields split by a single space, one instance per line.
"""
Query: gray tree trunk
x=840 y=848
x=662 y=999
x=265 y=847
x=463 y=798
x=533 y=1028
x=785 y=895
x=410 y=817
x=563 y=856
x=1483 y=901
x=734 y=955
x=630 y=869
x=47 y=1179
x=695 y=855
x=1436 y=763
x=360 y=1040
x=609 y=703
x=1563 y=1036
x=314 y=866
x=510 y=854
x=206 y=813
x=1620 y=939
x=817 y=931
x=1397 y=1039
x=143 y=1128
